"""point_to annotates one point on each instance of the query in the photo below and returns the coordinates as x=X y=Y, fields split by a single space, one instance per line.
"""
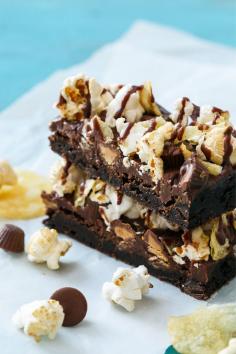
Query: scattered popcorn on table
x=127 y=286
x=8 y=176
x=40 y=318
x=44 y=246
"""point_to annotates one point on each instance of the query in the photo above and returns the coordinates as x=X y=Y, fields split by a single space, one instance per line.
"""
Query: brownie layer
x=186 y=203
x=198 y=261
x=201 y=286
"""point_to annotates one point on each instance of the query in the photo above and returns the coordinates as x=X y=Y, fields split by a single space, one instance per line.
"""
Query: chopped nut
x=108 y=153
x=123 y=230
x=155 y=246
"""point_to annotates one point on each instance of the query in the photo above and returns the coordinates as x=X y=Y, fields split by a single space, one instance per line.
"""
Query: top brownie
x=182 y=164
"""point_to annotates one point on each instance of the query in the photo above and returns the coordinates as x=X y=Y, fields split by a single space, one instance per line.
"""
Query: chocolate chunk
x=193 y=175
x=74 y=305
x=172 y=157
x=12 y=238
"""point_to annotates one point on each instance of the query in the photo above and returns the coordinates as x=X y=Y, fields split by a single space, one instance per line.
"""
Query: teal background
x=38 y=37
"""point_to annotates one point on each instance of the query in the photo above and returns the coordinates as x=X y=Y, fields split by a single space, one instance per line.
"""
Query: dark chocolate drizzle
x=206 y=151
x=228 y=148
x=97 y=130
x=127 y=131
x=181 y=113
x=125 y=100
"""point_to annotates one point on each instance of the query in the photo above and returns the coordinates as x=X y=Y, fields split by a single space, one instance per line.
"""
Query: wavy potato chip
x=23 y=200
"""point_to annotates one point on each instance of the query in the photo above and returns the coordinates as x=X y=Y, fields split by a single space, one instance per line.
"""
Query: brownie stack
x=144 y=185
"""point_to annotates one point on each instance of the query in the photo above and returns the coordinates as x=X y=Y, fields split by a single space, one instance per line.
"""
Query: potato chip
x=23 y=200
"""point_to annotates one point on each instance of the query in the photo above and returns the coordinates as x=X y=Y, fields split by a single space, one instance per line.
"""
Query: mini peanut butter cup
x=12 y=238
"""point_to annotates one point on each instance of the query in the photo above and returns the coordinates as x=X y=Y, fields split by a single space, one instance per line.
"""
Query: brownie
x=198 y=261
x=181 y=164
x=199 y=281
x=187 y=194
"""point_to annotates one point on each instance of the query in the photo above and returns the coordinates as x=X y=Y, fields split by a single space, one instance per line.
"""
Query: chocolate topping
x=195 y=113
x=193 y=175
x=12 y=238
x=74 y=305
x=172 y=156
x=206 y=151
x=228 y=148
x=97 y=130
x=125 y=100
x=127 y=131
x=181 y=113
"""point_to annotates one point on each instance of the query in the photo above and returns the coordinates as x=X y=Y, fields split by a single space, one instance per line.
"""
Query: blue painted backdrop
x=39 y=36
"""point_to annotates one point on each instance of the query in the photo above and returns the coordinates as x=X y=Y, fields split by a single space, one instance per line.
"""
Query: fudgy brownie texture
x=213 y=274
x=130 y=241
x=187 y=194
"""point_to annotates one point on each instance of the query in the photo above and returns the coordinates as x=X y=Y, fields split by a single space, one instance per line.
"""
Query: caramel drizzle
x=125 y=100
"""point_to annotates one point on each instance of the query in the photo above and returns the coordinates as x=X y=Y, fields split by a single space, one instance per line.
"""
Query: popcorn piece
x=127 y=286
x=44 y=246
x=214 y=142
x=218 y=251
x=192 y=134
x=212 y=115
x=64 y=182
x=155 y=221
x=212 y=168
x=40 y=318
x=147 y=99
x=83 y=191
x=74 y=97
x=196 y=250
x=125 y=104
x=82 y=97
x=183 y=109
x=126 y=206
x=231 y=348
x=103 y=129
x=132 y=134
x=233 y=154
x=208 y=330
x=7 y=174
